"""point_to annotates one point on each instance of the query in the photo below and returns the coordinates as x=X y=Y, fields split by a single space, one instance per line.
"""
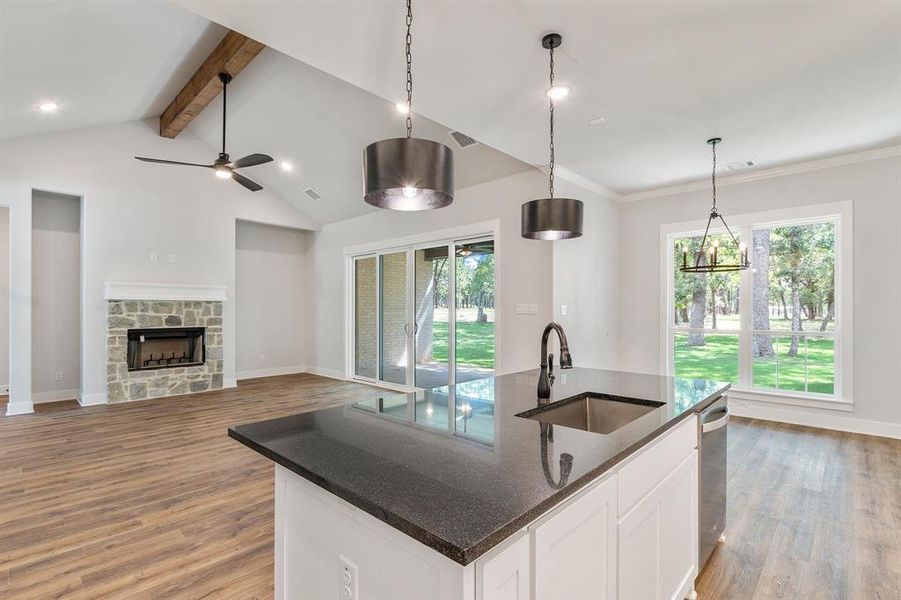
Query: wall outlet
x=154 y=257
x=522 y=309
x=349 y=583
x=533 y=309
x=58 y=376
x=172 y=258
x=563 y=310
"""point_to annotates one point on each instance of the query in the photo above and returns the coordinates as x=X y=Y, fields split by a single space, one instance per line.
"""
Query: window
x=777 y=328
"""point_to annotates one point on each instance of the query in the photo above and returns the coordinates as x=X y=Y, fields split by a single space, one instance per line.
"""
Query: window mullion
x=745 y=366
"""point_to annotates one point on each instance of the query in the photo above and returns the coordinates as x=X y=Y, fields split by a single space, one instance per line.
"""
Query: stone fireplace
x=158 y=347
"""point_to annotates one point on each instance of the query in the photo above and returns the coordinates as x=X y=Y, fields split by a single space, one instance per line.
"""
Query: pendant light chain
x=409 y=69
x=551 y=110
x=713 y=176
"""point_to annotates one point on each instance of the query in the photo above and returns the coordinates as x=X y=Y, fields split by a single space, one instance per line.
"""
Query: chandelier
x=707 y=259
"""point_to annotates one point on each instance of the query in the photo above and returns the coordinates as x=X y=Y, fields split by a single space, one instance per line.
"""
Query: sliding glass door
x=424 y=316
x=393 y=321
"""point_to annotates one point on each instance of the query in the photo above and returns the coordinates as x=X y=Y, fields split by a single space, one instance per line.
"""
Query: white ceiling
x=105 y=62
x=291 y=111
x=111 y=61
x=781 y=82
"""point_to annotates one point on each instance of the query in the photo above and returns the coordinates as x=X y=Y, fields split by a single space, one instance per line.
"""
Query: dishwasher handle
x=719 y=423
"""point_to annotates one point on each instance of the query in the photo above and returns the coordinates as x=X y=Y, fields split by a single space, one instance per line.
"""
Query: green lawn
x=475 y=344
x=717 y=359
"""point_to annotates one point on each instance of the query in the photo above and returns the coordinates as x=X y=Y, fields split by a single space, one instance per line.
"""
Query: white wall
x=874 y=187
x=4 y=299
x=525 y=268
x=585 y=280
x=56 y=296
x=271 y=283
x=129 y=209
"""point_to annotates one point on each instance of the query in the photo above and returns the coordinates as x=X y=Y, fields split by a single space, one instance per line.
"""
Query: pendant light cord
x=409 y=69
x=551 y=110
x=224 y=95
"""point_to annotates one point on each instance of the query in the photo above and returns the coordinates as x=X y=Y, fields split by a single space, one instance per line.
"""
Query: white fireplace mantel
x=163 y=291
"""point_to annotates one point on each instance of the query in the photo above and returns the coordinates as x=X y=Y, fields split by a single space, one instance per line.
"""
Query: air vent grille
x=740 y=165
x=463 y=140
x=312 y=193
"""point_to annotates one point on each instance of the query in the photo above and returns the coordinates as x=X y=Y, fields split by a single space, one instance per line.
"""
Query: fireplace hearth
x=165 y=348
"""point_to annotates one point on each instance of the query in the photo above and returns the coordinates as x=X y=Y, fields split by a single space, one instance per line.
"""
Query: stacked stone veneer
x=122 y=315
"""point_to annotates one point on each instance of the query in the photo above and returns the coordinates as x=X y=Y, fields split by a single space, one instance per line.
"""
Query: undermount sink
x=592 y=412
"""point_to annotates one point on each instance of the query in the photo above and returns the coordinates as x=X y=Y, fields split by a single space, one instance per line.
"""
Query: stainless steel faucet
x=547 y=361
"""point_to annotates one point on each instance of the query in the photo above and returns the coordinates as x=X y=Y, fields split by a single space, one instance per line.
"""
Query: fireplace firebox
x=165 y=348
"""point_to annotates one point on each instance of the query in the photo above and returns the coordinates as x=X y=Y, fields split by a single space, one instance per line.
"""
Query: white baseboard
x=270 y=372
x=229 y=383
x=19 y=408
x=331 y=373
x=821 y=419
x=54 y=396
x=92 y=399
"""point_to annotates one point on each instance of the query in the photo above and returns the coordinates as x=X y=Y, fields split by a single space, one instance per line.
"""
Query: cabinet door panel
x=575 y=548
x=505 y=575
x=679 y=530
x=639 y=552
x=658 y=539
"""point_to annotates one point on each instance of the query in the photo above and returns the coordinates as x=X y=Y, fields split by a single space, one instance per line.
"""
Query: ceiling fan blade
x=251 y=160
x=250 y=184
x=171 y=162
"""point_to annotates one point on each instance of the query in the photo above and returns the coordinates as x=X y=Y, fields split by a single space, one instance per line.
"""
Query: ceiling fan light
x=223 y=172
x=408 y=174
x=552 y=219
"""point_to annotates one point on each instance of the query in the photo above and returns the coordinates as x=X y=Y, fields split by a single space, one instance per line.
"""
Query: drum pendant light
x=408 y=173
x=552 y=218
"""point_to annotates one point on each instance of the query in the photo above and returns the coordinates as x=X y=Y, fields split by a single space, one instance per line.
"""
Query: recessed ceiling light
x=558 y=92
x=598 y=121
x=402 y=108
x=286 y=166
x=48 y=107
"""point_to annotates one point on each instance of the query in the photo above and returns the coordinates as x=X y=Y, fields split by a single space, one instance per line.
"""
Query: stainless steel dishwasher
x=713 y=439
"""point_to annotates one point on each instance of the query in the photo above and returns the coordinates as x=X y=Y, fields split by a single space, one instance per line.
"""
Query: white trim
x=802 y=167
x=163 y=291
x=584 y=182
x=92 y=399
x=19 y=408
x=820 y=419
x=229 y=383
x=841 y=213
x=270 y=372
x=53 y=396
x=330 y=373
x=429 y=239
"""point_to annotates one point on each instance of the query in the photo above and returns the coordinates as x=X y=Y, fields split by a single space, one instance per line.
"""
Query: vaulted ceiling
x=651 y=81
x=781 y=82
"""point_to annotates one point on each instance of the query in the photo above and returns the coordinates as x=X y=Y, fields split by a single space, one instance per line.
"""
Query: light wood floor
x=153 y=500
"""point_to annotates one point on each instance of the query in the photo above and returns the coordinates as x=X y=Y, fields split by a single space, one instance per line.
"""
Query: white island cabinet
x=630 y=535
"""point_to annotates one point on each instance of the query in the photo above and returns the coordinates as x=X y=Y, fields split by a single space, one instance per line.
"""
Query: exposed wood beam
x=232 y=54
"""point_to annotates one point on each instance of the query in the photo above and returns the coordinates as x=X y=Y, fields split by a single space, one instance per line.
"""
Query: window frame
x=840 y=213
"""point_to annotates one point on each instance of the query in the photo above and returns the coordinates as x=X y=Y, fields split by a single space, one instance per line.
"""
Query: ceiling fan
x=223 y=166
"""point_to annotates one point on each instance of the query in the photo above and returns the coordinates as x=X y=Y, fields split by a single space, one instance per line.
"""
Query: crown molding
x=583 y=182
x=802 y=167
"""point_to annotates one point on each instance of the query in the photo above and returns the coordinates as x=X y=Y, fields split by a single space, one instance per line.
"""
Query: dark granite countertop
x=456 y=468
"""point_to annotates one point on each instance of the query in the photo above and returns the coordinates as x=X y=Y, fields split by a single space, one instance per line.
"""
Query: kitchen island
x=476 y=491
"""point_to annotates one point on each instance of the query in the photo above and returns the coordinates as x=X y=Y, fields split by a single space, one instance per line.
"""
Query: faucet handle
x=550 y=367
